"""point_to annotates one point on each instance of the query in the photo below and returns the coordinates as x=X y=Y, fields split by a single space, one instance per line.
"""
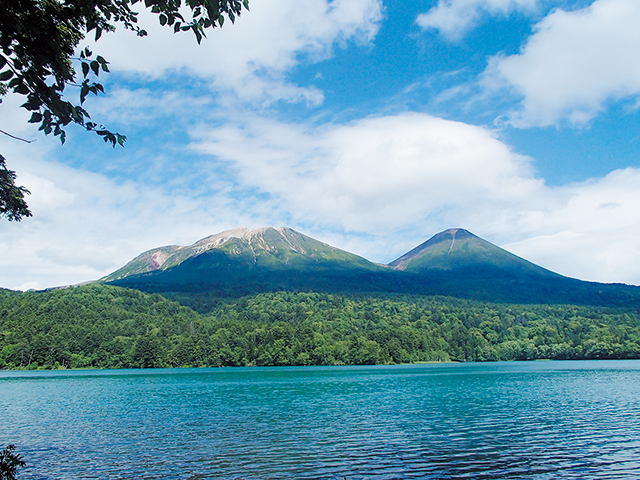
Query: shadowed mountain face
x=453 y=263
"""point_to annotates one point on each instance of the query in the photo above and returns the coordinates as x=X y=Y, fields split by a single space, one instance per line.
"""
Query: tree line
x=98 y=326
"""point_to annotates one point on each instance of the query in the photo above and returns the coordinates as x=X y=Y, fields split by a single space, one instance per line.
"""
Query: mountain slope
x=243 y=261
x=458 y=248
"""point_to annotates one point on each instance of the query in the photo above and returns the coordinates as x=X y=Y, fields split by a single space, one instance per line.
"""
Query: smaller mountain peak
x=453 y=232
x=447 y=237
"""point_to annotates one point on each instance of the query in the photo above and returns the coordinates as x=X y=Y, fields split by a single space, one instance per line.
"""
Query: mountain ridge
x=254 y=242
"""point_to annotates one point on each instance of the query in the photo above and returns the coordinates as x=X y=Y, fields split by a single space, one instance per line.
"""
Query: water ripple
x=573 y=420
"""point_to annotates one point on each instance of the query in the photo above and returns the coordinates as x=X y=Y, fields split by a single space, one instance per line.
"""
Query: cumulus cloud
x=375 y=174
x=573 y=64
x=590 y=235
x=252 y=57
x=454 y=18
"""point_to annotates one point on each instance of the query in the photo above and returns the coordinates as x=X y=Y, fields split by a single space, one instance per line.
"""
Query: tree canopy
x=39 y=55
x=99 y=326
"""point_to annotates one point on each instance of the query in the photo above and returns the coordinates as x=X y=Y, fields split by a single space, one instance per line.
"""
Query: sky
x=370 y=125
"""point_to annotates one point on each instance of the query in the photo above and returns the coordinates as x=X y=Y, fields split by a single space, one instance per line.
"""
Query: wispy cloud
x=454 y=18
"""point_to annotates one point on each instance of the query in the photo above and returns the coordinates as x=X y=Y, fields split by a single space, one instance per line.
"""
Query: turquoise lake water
x=534 y=420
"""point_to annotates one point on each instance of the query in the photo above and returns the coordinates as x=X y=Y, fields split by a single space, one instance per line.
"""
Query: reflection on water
x=538 y=420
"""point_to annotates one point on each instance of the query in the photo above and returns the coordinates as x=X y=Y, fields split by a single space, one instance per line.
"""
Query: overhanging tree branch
x=16 y=138
x=38 y=41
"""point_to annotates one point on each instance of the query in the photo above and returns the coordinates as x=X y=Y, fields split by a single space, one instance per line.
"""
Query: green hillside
x=277 y=297
x=98 y=326
x=457 y=263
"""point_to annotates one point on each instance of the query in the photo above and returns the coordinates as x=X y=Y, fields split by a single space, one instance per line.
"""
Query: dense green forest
x=110 y=327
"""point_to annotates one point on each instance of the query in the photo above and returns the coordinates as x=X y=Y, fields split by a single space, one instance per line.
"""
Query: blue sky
x=370 y=125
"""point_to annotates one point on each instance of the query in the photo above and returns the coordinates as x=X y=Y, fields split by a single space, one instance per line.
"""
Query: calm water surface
x=537 y=420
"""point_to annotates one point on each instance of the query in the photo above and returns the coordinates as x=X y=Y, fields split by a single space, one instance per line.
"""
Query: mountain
x=242 y=261
x=452 y=263
x=457 y=249
x=458 y=263
x=262 y=247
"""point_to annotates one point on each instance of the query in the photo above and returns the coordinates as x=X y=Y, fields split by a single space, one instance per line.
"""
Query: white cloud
x=376 y=174
x=251 y=57
x=144 y=105
x=573 y=64
x=592 y=234
x=454 y=18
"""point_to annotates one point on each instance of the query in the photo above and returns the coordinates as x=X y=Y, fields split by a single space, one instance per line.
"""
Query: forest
x=99 y=326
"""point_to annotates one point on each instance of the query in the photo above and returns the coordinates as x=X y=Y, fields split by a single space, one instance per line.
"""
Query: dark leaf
x=36 y=117
x=22 y=89
x=84 y=92
x=103 y=63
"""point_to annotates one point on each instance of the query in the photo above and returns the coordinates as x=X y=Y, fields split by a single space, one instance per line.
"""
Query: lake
x=534 y=420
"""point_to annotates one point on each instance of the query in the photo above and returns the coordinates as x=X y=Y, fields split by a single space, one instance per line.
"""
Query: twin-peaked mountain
x=454 y=263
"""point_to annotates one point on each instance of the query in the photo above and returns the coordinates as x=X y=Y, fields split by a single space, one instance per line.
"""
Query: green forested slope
x=111 y=327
